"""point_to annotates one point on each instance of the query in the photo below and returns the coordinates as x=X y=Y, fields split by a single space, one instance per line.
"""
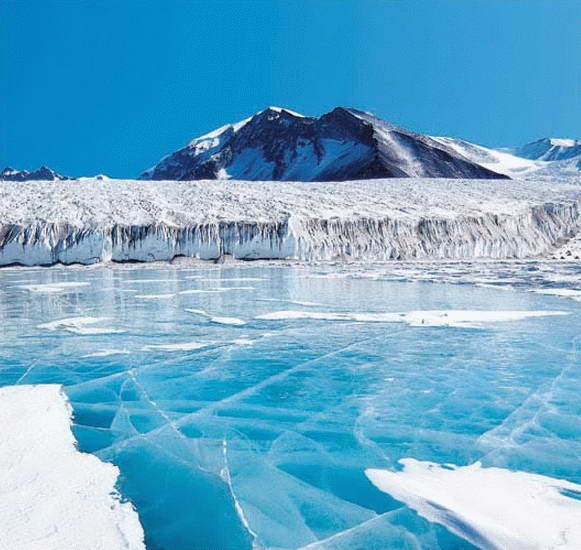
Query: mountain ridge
x=343 y=144
x=548 y=149
x=42 y=173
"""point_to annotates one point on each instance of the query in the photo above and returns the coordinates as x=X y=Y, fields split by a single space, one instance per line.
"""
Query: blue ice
x=233 y=432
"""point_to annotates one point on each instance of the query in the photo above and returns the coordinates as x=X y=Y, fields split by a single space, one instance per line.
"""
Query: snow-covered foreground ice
x=491 y=507
x=51 y=496
x=248 y=417
x=91 y=221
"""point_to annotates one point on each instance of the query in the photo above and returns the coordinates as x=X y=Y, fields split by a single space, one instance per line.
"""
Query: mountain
x=344 y=144
x=549 y=149
x=43 y=173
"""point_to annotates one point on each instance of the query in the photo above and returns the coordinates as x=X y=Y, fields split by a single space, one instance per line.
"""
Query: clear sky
x=110 y=86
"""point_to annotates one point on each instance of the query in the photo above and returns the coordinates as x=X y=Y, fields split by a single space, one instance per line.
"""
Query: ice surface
x=572 y=293
x=259 y=434
x=51 y=496
x=429 y=318
x=493 y=508
x=44 y=223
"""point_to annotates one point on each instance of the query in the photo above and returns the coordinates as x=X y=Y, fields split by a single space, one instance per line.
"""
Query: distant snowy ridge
x=549 y=149
x=349 y=144
x=344 y=144
x=42 y=174
x=511 y=162
x=44 y=223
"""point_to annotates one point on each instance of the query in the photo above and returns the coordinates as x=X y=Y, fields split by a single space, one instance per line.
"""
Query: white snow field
x=53 y=497
x=493 y=508
x=90 y=221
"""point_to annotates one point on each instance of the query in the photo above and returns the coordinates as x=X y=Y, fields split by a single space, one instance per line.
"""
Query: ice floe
x=493 y=508
x=52 y=496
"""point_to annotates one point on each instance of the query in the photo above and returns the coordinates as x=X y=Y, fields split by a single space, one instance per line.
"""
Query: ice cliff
x=92 y=221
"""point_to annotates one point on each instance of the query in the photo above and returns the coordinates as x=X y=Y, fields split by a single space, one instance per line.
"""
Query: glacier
x=91 y=221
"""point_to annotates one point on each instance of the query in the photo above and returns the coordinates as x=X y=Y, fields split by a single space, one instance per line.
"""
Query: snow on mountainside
x=44 y=223
x=43 y=173
x=549 y=149
x=499 y=161
x=344 y=144
x=561 y=160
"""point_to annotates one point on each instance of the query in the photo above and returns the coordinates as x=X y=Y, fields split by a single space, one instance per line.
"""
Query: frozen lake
x=243 y=404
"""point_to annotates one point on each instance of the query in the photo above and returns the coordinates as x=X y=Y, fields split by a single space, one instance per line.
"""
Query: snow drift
x=54 y=497
x=90 y=221
x=492 y=508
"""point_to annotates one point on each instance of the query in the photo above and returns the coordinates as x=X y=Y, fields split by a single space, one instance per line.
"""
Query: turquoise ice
x=237 y=421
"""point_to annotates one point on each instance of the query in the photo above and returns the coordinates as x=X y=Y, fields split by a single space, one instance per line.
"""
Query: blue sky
x=111 y=86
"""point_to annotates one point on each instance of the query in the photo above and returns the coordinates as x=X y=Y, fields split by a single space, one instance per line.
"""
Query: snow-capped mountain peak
x=564 y=142
x=343 y=144
x=280 y=110
x=42 y=173
x=549 y=149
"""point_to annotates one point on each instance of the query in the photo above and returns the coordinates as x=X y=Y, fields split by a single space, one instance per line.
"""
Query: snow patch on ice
x=429 y=318
x=54 y=497
x=53 y=288
x=572 y=293
x=295 y=302
x=217 y=319
x=243 y=342
x=214 y=290
x=81 y=325
x=106 y=353
x=183 y=346
x=492 y=508
x=154 y=296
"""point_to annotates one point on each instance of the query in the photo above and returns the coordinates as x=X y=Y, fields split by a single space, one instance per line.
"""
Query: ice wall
x=533 y=233
x=277 y=222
